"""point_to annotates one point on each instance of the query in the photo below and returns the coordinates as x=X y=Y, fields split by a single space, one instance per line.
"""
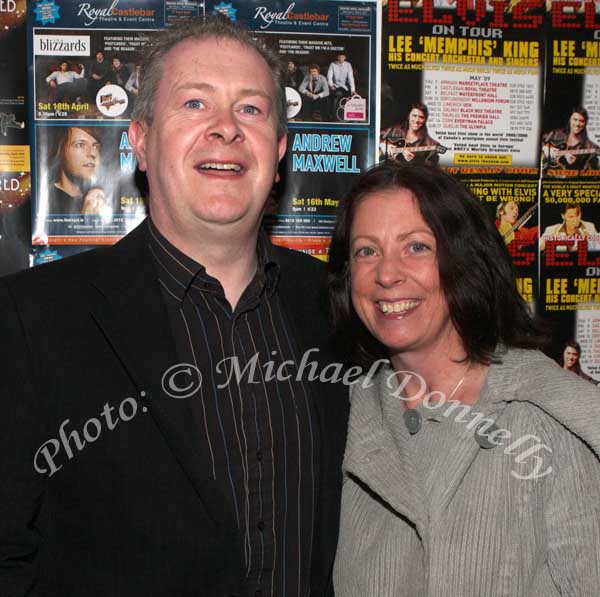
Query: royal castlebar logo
x=46 y=12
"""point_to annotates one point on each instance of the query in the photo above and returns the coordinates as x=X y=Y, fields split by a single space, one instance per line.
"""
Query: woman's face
x=395 y=282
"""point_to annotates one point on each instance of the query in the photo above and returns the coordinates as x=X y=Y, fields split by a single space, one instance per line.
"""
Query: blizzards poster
x=462 y=84
x=329 y=51
x=14 y=148
x=85 y=77
x=570 y=198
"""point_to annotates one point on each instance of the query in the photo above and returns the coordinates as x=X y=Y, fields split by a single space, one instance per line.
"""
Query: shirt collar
x=177 y=271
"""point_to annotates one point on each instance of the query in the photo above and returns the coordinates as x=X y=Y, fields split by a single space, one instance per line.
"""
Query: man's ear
x=281 y=147
x=137 y=139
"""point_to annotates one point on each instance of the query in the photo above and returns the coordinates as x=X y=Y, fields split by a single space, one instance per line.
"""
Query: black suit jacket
x=132 y=510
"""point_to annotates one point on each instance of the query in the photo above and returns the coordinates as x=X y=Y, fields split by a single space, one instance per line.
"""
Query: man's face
x=64 y=66
x=511 y=212
x=416 y=120
x=570 y=357
x=577 y=123
x=100 y=57
x=81 y=155
x=291 y=67
x=341 y=58
x=212 y=150
x=116 y=63
x=314 y=73
x=572 y=219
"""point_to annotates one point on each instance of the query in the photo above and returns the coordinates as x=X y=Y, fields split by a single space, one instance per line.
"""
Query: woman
x=471 y=466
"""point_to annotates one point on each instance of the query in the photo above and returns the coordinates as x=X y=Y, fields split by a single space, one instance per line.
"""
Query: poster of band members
x=570 y=198
x=329 y=50
x=462 y=86
x=15 y=184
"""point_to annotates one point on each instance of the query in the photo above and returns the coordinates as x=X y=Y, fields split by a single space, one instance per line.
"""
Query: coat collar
x=132 y=316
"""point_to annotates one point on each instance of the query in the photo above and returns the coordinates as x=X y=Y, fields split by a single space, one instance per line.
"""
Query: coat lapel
x=133 y=318
x=381 y=457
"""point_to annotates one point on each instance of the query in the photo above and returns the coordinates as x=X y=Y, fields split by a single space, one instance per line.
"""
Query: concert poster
x=15 y=184
x=84 y=79
x=462 y=86
x=570 y=182
x=331 y=128
x=329 y=143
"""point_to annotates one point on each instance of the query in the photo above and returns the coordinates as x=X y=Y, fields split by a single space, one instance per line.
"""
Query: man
x=98 y=75
x=410 y=141
x=570 y=148
x=570 y=360
x=340 y=78
x=68 y=83
x=507 y=217
x=74 y=166
x=572 y=229
x=314 y=91
x=180 y=446
x=293 y=76
x=118 y=73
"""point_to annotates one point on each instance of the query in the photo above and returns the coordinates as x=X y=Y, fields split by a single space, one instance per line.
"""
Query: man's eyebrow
x=245 y=92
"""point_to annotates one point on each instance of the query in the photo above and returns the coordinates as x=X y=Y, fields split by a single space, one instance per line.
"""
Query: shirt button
x=259 y=455
x=261 y=525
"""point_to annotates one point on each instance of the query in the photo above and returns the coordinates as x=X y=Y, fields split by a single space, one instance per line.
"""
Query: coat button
x=412 y=420
x=482 y=434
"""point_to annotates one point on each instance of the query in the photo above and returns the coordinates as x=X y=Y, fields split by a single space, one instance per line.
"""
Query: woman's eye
x=419 y=247
x=194 y=104
x=365 y=252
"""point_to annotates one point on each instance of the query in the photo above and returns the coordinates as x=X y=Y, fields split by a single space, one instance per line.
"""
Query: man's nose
x=225 y=127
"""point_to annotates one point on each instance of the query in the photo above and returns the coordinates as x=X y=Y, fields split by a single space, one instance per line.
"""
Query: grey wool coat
x=516 y=517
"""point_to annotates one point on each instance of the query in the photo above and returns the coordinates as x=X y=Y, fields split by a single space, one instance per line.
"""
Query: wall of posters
x=504 y=94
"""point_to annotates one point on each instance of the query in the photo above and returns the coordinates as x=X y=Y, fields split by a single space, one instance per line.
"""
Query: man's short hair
x=501 y=207
x=571 y=205
x=420 y=106
x=201 y=28
x=314 y=67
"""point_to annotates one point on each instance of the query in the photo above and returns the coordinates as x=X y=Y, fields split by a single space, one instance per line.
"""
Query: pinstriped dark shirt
x=254 y=418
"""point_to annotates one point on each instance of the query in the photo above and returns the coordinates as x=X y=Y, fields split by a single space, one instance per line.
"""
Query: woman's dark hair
x=475 y=270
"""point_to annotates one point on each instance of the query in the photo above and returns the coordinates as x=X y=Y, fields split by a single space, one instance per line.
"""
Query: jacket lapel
x=132 y=316
x=381 y=457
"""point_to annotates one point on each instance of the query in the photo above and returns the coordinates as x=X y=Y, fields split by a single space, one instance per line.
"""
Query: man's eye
x=250 y=110
x=194 y=104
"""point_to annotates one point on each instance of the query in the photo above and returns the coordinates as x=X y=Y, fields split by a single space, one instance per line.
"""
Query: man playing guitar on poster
x=570 y=147
x=411 y=141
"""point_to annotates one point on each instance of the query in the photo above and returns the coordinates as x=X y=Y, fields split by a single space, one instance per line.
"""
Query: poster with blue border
x=84 y=64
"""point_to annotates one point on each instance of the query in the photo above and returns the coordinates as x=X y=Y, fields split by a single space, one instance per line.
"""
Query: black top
x=257 y=426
